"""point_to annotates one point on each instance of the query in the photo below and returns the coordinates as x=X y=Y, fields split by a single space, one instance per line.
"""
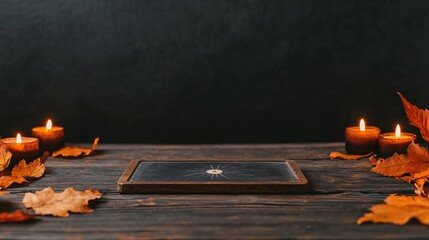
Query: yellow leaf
x=48 y=202
x=399 y=210
x=339 y=155
x=73 y=151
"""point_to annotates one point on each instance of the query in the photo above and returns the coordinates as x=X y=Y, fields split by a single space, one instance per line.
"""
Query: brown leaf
x=398 y=210
x=415 y=161
x=417 y=117
x=73 y=151
x=6 y=181
x=17 y=216
x=48 y=202
x=5 y=157
x=339 y=155
x=35 y=169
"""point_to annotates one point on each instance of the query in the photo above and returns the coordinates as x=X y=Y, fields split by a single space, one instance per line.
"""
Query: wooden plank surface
x=340 y=192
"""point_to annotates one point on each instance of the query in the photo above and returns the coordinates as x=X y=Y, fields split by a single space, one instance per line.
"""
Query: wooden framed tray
x=212 y=177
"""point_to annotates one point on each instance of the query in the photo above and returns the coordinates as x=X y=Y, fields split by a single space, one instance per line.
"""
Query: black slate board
x=212 y=177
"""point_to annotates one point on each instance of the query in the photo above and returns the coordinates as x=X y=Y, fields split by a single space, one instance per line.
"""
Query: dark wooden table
x=341 y=191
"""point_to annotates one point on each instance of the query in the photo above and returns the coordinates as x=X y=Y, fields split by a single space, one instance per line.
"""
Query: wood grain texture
x=340 y=192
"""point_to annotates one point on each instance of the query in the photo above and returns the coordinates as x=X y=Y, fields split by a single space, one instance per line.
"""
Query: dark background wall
x=192 y=71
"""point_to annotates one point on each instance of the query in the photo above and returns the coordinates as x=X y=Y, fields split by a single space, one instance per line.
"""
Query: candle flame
x=49 y=125
x=362 y=125
x=398 y=131
x=18 y=138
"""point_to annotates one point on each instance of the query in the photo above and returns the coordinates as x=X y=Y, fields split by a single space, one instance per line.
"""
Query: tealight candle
x=51 y=137
x=362 y=139
x=21 y=148
x=395 y=142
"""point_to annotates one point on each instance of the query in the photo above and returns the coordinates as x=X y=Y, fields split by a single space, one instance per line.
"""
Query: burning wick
x=18 y=138
x=49 y=125
x=362 y=125
x=398 y=131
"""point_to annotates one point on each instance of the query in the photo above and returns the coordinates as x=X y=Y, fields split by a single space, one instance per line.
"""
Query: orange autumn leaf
x=5 y=157
x=17 y=216
x=398 y=210
x=21 y=172
x=417 y=117
x=6 y=181
x=414 y=162
x=73 y=151
x=339 y=155
x=48 y=202
x=4 y=192
x=35 y=169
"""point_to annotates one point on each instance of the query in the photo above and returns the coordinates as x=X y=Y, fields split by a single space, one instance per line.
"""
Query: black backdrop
x=210 y=71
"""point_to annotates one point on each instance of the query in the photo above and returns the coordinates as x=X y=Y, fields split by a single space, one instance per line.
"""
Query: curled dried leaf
x=399 y=210
x=417 y=117
x=73 y=151
x=17 y=216
x=48 y=202
x=339 y=155
x=6 y=181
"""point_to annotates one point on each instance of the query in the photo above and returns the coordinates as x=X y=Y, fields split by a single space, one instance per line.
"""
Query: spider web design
x=214 y=172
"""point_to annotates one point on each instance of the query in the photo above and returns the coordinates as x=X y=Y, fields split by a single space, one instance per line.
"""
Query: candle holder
x=391 y=144
x=362 y=141
x=27 y=149
x=51 y=137
x=50 y=140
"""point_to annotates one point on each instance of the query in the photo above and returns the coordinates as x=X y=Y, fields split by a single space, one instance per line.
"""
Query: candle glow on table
x=21 y=148
x=51 y=137
x=362 y=139
x=395 y=142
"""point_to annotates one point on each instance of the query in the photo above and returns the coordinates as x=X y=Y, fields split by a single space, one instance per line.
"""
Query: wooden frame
x=126 y=185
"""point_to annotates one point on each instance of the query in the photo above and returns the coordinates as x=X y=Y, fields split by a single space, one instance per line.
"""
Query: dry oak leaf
x=17 y=216
x=339 y=155
x=417 y=117
x=398 y=210
x=5 y=157
x=6 y=181
x=48 y=202
x=35 y=169
x=21 y=172
x=414 y=162
x=73 y=151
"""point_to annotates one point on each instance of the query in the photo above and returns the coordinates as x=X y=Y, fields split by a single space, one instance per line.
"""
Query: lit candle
x=362 y=139
x=21 y=148
x=51 y=137
x=395 y=142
